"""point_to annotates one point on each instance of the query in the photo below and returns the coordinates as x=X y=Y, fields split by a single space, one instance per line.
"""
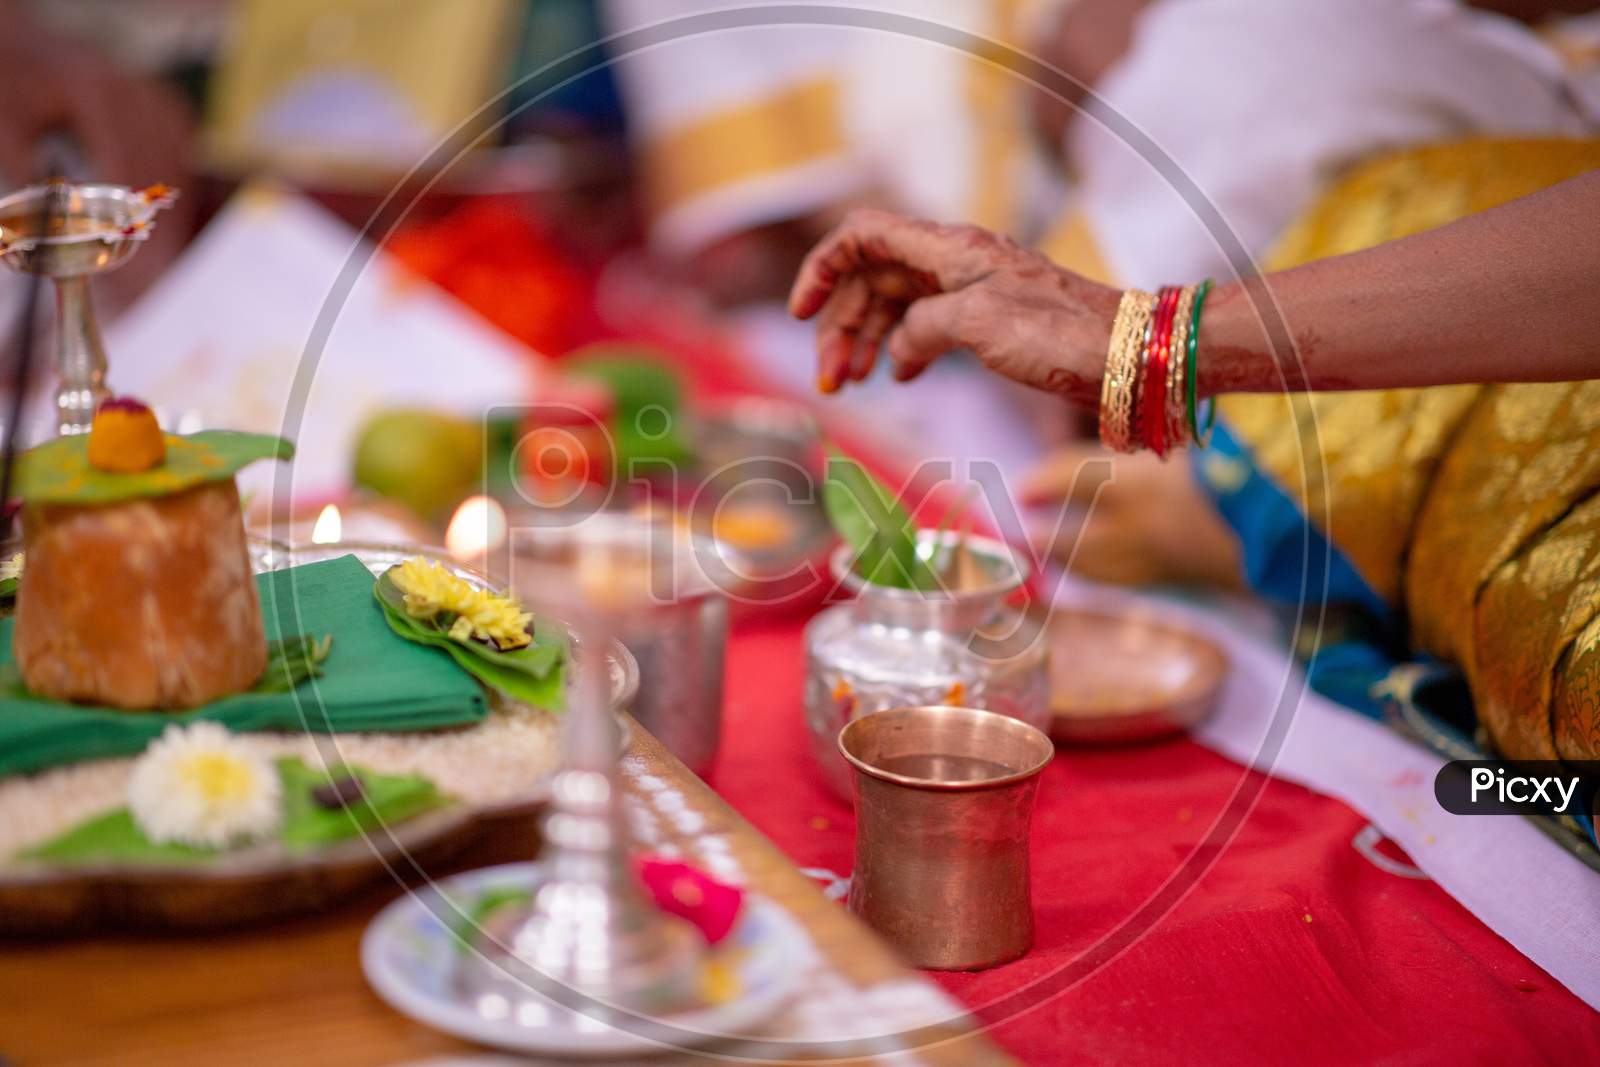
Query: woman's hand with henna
x=927 y=289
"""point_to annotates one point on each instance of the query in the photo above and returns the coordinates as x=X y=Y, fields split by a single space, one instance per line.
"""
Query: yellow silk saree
x=1468 y=516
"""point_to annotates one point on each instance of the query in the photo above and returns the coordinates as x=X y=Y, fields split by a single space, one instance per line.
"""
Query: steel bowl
x=657 y=589
x=766 y=454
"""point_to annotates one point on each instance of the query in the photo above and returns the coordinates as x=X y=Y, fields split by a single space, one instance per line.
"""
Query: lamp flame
x=477 y=528
x=329 y=527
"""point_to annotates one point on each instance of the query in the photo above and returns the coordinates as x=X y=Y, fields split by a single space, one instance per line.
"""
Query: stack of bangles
x=1148 y=395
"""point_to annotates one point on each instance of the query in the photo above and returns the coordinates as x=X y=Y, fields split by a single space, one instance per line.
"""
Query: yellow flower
x=11 y=568
x=431 y=591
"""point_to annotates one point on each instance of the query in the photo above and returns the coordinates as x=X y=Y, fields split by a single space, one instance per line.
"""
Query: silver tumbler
x=894 y=648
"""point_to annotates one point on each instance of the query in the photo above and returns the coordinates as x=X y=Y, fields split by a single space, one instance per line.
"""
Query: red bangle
x=1153 y=401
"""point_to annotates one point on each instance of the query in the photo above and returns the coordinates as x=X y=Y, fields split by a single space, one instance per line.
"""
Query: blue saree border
x=1284 y=553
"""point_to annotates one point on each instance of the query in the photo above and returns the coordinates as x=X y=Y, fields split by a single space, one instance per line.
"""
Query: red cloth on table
x=1293 y=947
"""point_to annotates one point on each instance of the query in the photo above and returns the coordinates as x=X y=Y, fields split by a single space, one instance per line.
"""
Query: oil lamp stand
x=68 y=233
x=587 y=948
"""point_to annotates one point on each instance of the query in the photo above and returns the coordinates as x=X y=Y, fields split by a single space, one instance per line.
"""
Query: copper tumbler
x=944 y=797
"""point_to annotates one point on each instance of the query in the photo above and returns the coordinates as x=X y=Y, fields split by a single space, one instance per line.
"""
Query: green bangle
x=1193 y=374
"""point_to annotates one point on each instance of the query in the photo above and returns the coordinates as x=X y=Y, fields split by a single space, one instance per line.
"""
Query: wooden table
x=293 y=992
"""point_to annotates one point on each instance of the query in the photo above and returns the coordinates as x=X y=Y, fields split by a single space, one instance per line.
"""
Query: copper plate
x=1126 y=677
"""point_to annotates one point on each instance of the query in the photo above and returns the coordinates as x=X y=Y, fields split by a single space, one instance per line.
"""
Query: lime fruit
x=425 y=460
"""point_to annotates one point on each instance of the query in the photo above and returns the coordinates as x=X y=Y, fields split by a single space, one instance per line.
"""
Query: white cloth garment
x=825 y=115
x=1261 y=102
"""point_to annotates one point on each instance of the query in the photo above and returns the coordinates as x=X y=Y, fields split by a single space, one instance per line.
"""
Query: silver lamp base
x=587 y=950
x=650 y=969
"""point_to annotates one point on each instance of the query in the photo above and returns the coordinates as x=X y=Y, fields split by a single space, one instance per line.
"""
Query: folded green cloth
x=372 y=679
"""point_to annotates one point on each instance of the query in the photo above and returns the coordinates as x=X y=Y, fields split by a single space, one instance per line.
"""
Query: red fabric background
x=1293 y=947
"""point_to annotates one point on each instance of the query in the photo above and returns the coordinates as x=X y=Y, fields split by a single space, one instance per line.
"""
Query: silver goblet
x=68 y=233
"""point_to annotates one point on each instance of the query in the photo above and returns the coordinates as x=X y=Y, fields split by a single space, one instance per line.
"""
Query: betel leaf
x=291 y=660
x=869 y=519
x=58 y=471
x=475 y=912
x=541 y=691
x=538 y=658
x=112 y=836
x=384 y=800
x=548 y=692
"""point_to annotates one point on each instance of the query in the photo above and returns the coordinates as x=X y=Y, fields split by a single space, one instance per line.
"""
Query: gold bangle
x=1177 y=412
x=1124 y=360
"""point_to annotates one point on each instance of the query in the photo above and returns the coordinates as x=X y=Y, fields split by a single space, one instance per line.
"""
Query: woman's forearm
x=1508 y=295
x=1511 y=294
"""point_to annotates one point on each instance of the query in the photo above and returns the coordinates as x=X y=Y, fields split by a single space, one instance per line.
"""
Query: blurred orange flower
x=495 y=258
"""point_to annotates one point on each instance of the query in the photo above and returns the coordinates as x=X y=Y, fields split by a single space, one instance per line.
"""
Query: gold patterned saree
x=1473 y=511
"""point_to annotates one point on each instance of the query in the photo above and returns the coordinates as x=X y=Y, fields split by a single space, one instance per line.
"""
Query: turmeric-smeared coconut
x=138 y=591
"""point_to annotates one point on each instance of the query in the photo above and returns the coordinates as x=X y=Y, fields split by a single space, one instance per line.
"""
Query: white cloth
x=229 y=331
x=909 y=126
x=1503 y=869
x=1261 y=102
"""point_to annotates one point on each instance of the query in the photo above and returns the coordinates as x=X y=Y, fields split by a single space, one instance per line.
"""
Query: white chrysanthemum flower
x=11 y=568
x=199 y=785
